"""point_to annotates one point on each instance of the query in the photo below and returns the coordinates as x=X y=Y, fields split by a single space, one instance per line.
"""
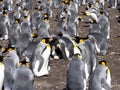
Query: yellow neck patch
x=46 y=20
x=1 y=64
x=103 y=63
x=43 y=40
x=80 y=56
x=81 y=40
x=48 y=46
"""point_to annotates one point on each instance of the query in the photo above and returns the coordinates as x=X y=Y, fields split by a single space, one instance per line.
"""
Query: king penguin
x=87 y=50
x=23 y=77
x=11 y=61
x=40 y=58
x=76 y=79
x=113 y=3
x=2 y=69
x=100 y=43
x=100 y=78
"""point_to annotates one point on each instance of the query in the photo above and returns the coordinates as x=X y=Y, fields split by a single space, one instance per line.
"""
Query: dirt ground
x=56 y=80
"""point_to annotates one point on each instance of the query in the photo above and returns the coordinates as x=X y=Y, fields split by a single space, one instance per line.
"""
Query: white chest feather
x=1 y=76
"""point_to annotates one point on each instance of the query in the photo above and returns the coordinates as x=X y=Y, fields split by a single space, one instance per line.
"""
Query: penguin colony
x=31 y=45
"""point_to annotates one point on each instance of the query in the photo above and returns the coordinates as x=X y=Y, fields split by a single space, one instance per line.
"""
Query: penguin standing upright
x=23 y=77
x=40 y=58
x=100 y=43
x=44 y=26
x=100 y=78
x=76 y=79
x=11 y=61
x=87 y=50
x=113 y=3
x=2 y=69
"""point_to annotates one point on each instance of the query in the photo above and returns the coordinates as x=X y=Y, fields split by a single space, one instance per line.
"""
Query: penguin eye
x=81 y=40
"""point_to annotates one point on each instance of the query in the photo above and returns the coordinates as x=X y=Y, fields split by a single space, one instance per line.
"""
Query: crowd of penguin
x=26 y=26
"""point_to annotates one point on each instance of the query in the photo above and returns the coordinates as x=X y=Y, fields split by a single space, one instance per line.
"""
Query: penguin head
x=25 y=10
x=4 y=13
x=7 y=49
x=79 y=19
x=49 y=0
x=46 y=17
x=24 y=62
x=97 y=1
x=18 y=4
x=80 y=39
x=17 y=21
x=47 y=40
x=101 y=12
x=25 y=17
x=39 y=2
x=90 y=5
x=103 y=62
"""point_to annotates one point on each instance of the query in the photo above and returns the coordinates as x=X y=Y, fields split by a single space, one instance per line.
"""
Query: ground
x=56 y=80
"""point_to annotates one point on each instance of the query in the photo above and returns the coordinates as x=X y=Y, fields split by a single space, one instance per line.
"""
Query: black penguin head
x=39 y=2
x=24 y=62
x=80 y=39
x=8 y=49
x=46 y=17
x=47 y=40
x=103 y=62
x=4 y=13
x=17 y=21
x=18 y=4
x=101 y=12
x=25 y=10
